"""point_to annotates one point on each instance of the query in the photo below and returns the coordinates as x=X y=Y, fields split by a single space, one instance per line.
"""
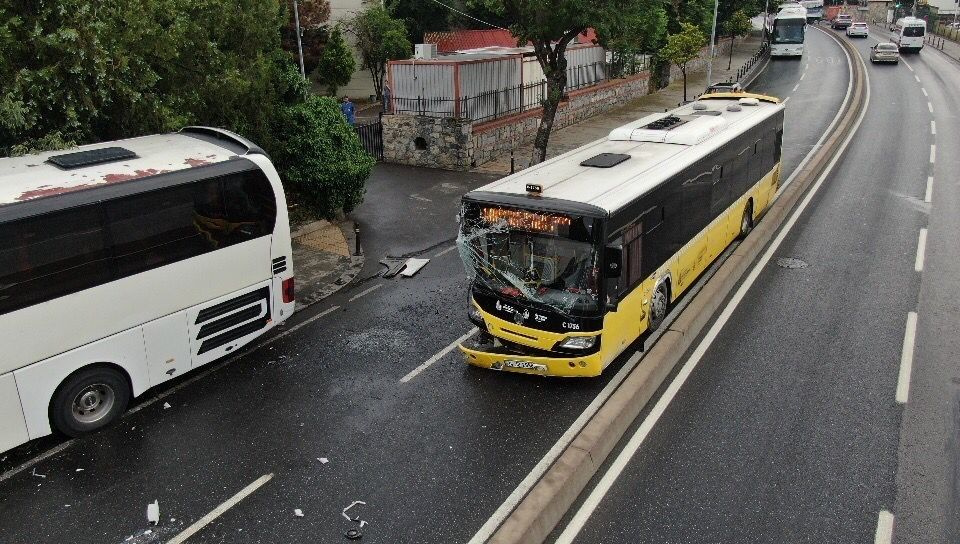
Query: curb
x=548 y=501
x=337 y=278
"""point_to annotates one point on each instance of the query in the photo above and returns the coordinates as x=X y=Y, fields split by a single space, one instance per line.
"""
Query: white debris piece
x=148 y=532
x=298 y=512
x=413 y=266
x=153 y=512
x=354 y=503
x=79 y=470
x=166 y=405
x=37 y=474
x=362 y=523
x=323 y=460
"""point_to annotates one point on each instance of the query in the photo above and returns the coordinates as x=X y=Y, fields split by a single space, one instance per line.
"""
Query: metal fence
x=491 y=105
x=371 y=136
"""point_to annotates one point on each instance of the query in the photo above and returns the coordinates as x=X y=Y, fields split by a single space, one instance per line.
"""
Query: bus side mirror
x=613 y=262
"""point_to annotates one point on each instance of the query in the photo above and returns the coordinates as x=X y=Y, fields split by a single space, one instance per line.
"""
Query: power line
x=467 y=15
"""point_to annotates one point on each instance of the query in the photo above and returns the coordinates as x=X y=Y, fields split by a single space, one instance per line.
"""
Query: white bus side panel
x=167 y=347
x=13 y=428
x=40 y=380
x=258 y=306
x=44 y=330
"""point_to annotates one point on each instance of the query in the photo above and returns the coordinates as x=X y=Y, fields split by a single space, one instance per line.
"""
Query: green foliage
x=380 y=38
x=737 y=25
x=684 y=46
x=640 y=28
x=314 y=15
x=322 y=158
x=336 y=65
x=419 y=16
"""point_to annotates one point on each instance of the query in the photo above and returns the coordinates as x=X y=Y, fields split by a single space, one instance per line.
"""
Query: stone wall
x=427 y=141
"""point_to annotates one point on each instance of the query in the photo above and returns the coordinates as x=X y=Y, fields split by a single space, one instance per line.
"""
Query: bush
x=321 y=158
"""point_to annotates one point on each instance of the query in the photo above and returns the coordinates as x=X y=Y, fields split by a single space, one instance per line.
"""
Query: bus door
x=166 y=347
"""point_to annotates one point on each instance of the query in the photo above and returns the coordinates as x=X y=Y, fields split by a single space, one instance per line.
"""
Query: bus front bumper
x=482 y=352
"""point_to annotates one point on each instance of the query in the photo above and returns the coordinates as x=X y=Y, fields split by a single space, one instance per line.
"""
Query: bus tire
x=659 y=303
x=88 y=400
x=746 y=222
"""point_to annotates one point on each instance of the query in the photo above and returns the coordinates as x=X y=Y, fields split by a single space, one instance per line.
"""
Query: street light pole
x=296 y=22
x=713 y=39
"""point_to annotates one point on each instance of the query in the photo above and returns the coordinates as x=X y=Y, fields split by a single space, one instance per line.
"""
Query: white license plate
x=524 y=365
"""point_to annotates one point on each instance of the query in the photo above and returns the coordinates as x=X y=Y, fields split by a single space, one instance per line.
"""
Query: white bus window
x=51 y=255
x=250 y=205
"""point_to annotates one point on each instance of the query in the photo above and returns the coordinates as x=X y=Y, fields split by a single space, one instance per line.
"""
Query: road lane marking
x=884 y=533
x=915 y=76
x=445 y=251
x=933 y=128
x=795 y=87
x=907 y=64
x=930 y=107
x=924 y=92
x=785 y=100
x=803 y=75
x=365 y=292
x=906 y=359
x=928 y=195
x=933 y=153
x=218 y=511
x=439 y=355
x=603 y=486
x=921 y=251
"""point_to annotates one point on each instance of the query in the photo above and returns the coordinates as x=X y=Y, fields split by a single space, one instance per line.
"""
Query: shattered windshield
x=540 y=257
x=788 y=31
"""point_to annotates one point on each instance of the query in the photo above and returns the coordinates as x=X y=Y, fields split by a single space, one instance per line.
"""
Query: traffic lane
x=787 y=429
x=331 y=389
x=408 y=209
x=811 y=104
x=928 y=491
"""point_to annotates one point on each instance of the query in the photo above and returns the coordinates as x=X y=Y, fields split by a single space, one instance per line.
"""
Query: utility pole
x=296 y=22
x=713 y=38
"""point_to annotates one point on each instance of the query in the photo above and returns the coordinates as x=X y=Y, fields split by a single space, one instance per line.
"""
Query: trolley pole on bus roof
x=296 y=22
x=713 y=38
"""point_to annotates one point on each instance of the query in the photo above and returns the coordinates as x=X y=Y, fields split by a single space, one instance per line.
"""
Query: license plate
x=524 y=365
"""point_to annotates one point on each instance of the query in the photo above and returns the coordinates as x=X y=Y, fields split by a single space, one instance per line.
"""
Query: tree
x=550 y=25
x=314 y=15
x=322 y=158
x=738 y=25
x=336 y=65
x=642 y=29
x=380 y=39
x=683 y=47
x=419 y=16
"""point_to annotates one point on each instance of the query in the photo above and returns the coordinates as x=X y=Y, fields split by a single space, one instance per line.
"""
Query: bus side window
x=633 y=256
x=777 y=146
x=52 y=255
x=250 y=205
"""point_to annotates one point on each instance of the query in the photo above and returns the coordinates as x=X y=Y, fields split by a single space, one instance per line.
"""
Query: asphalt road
x=788 y=430
x=432 y=458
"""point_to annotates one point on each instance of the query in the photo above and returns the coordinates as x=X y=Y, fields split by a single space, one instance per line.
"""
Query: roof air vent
x=79 y=159
x=699 y=106
x=605 y=160
x=665 y=123
x=734 y=107
x=749 y=101
x=707 y=112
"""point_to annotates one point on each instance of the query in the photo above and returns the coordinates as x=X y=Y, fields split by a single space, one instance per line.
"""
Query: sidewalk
x=574 y=136
x=323 y=260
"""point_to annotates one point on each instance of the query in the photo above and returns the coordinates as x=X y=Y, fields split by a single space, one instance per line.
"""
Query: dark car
x=841 y=22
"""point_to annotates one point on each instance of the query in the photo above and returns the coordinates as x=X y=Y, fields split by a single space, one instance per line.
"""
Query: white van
x=910 y=33
x=125 y=264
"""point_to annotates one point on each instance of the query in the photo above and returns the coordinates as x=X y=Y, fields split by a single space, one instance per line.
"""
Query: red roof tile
x=459 y=40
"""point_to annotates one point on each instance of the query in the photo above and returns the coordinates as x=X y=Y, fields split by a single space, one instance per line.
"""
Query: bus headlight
x=579 y=342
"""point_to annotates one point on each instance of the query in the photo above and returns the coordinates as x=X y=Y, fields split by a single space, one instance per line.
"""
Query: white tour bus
x=789 y=27
x=910 y=33
x=814 y=10
x=125 y=264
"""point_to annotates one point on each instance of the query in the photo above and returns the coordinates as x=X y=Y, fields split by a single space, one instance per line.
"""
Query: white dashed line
x=921 y=250
x=884 y=528
x=928 y=195
x=933 y=153
x=930 y=107
x=924 y=92
x=906 y=360
x=795 y=87
x=413 y=373
x=785 y=100
x=807 y=67
x=218 y=511
x=445 y=251
x=365 y=292
x=803 y=75
x=907 y=64
x=915 y=76
x=933 y=128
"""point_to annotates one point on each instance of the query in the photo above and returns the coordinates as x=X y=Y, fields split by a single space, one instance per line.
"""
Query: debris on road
x=38 y=475
x=353 y=534
x=354 y=503
x=153 y=512
x=393 y=265
x=79 y=470
x=166 y=405
x=323 y=460
x=791 y=263
x=413 y=266
x=298 y=512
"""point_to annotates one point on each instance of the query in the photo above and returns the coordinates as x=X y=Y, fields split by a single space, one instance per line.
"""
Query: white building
x=342 y=11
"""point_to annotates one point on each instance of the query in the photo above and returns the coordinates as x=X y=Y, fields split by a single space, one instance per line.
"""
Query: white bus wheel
x=89 y=399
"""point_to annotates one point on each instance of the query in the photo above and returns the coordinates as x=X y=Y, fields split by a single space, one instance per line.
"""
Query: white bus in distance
x=789 y=27
x=910 y=33
x=125 y=264
x=814 y=10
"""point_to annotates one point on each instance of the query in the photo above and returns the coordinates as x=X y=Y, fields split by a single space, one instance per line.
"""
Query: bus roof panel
x=33 y=177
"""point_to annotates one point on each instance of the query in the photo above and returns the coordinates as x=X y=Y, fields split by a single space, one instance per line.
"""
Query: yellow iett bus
x=575 y=258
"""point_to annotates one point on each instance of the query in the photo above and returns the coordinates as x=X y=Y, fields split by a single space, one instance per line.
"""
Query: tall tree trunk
x=556 y=82
x=683 y=70
x=730 y=62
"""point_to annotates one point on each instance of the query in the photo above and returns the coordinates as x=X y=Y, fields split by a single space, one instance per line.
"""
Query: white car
x=858 y=29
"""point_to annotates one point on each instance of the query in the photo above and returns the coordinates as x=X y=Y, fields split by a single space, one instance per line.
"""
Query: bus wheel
x=88 y=400
x=746 y=223
x=658 y=306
